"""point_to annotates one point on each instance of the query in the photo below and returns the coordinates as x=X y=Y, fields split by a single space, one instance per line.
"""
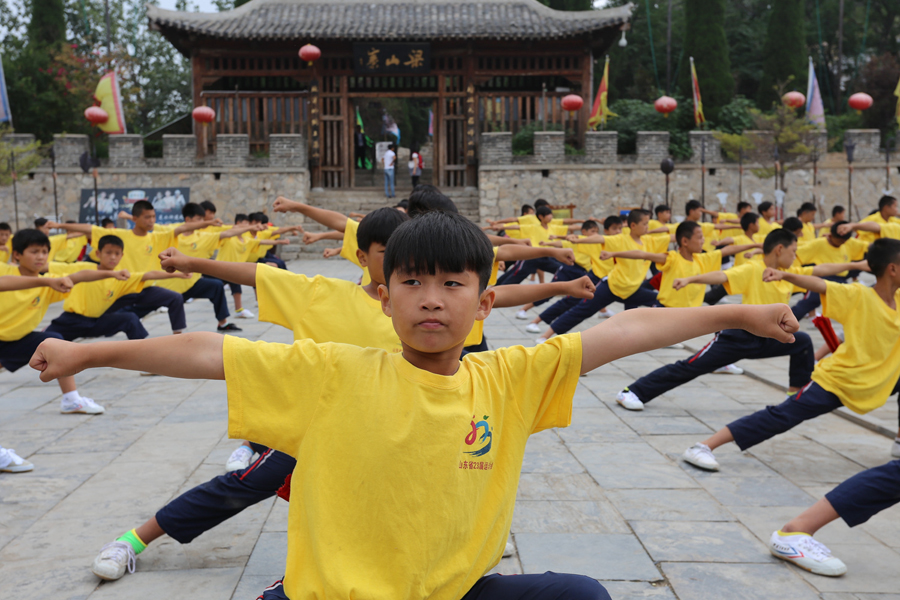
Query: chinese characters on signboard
x=470 y=124
x=314 y=122
x=376 y=59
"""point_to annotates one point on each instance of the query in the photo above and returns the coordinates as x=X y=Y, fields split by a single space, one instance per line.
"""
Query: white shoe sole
x=82 y=411
x=636 y=408
x=699 y=465
x=17 y=468
x=805 y=568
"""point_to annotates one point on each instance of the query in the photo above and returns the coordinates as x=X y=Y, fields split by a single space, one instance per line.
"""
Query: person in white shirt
x=389 y=158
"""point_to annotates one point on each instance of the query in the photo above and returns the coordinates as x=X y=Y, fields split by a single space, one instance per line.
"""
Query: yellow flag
x=897 y=93
x=600 y=111
x=698 y=102
x=107 y=94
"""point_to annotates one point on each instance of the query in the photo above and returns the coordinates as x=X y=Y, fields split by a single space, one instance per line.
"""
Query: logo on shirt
x=36 y=302
x=194 y=246
x=481 y=445
x=109 y=294
x=149 y=249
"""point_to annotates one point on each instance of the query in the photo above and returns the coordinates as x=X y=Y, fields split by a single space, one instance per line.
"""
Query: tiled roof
x=311 y=20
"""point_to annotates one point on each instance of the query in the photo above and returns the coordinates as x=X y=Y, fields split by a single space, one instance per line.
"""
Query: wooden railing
x=257 y=114
x=514 y=110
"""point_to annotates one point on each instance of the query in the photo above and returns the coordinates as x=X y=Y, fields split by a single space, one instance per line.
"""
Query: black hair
x=765 y=206
x=873 y=211
x=526 y=208
x=542 y=211
x=25 y=238
x=778 y=237
x=5 y=227
x=692 y=205
x=40 y=222
x=806 y=207
x=110 y=239
x=539 y=203
x=106 y=221
x=71 y=221
x=259 y=217
x=685 y=229
x=748 y=219
x=742 y=205
x=835 y=234
x=882 y=252
x=377 y=227
x=241 y=217
x=140 y=207
x=838 y=209
x=207 y=205
x=661 y=209
x=885 y=201
x=590 y=224
x=404 y=204
x=192 y=209
x=611 y=221
x=636 y=216
x=441 y=241
x=426 y=198
x=792 y=224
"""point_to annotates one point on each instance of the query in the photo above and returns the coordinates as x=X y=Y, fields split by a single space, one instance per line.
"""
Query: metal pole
x=12 y=170
x=669 y=52
x=887 y=166
x=703 y=173
x=850 y=189
x=55 y=198
x=740 y=175
x=108 y=38
x=667 y=189
x=544 y=107
x=840 y=54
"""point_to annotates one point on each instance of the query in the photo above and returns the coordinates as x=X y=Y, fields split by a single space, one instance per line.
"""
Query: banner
x=698 y=102
x=5 y=115
x=600 y=112
x=167 y=202
x=815 y=110
x=107 y=94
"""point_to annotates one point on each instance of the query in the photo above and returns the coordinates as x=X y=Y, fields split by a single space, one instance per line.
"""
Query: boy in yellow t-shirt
x=838 y=213
x=520 y=270
x=450 y=429
x=5 y=243
x=729 y=346
x=807 y=214
x=887 y=213
x=767 y=212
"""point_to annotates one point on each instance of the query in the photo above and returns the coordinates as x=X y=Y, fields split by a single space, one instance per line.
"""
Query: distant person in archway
x=389 y=159
x=416 y=164
x=359 y=139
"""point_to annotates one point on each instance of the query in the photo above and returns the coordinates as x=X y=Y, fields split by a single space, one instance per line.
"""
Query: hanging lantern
x=572 y=102
x=96 y=115
x=204 y=114
x=860 y=101
x=665 y=105
x=793 y=99
x=310 y=53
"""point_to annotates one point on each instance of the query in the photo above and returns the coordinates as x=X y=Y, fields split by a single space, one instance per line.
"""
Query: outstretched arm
x=644 y=329
x=82 y=228
x=713 y=278
x=827 y=269
x=517 y=252
x=193 y=226
x=155 y=275
x=635 y=255
x=807 y=282
x=517 y=295
x=241 y=273
x=195 y=355
x=499 y=240
x=590 y=239
x=238 y=230
x=328 y=218
x=312 y=238
x=86 y=275
x=870 y=226
x=730 y=250
x=9 y=283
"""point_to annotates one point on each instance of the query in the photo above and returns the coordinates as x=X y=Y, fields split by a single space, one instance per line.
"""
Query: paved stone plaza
x=608 y=497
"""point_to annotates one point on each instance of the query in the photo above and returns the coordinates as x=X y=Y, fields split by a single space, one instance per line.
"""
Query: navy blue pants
x=72 y=326
x=523 y=268
x=271 y=258
x=729 y=345
x=867 y=493
x=811 y=300
x=545 y=586
x=16 y=354
x=565 y=273
x=234 y=287
x=150 y=299
x=205 y=506
x=715 y=294
x=603 y=297
x=561 y=306
x=214 y=291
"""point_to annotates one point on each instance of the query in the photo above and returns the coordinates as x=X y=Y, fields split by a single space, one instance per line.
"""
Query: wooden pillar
x=349 y=133
x=587 y=84
x=471 y=119
x=197 y=71
x=315 y=119
x=440 y=156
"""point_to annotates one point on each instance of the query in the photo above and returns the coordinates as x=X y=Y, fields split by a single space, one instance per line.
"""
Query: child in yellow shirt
x=449 y=429
x=5 y=243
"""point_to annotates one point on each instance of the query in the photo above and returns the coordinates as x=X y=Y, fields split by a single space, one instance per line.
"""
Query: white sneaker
x=244 y=314
x=113 y=559
x=605 y=313
x=239 y=459
x=522 y=315
x=509 y=550
x=533 y=328
x=189 y=300
x=701 y=456
x=10 y=462
x=729 y=370
x=540 y=340
x=83 y=405
x=629 y=400
x=807 y=553
x=895 y=449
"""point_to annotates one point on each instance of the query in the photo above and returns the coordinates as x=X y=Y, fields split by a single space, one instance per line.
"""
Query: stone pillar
x=549 y=147
x=179 y=150
x=652 y=146
x=232 y=149
x=496 y=148
x=867 y=143
x=713 y=147
x=601 y=147
x=126 y=150
x=818 y=142
x=287 y=150
x=69 y=148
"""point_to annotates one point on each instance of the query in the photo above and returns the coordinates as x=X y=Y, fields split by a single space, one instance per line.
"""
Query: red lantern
x=310 y=53
x=665 y=105
x=572 y=102
x=793 y=99
x=204 y=114
x=96 y=115
x=860 y=101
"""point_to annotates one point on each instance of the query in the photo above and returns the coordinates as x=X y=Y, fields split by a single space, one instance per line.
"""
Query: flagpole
x=55 y=199
x=12 y=170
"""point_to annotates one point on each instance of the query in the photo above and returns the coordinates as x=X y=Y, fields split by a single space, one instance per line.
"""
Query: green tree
x=564 y=4
x=705 y=40
x=47 y=23
x=784 y=53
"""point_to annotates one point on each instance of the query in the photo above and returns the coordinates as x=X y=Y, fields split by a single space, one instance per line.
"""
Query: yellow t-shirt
x=808 y=234
x=582 y=255
x=628 y=275
x=141 y=252
x=765 y=228
x=6 y=251
x=888 y=230
x=237 y=248
x=868 y=236
x=537 y=234
x=406 y=480
x=676 y=267
x=21 y=311
x=70 y=250
x=863 y=370
x=323 y=309
x=533 y=220
x=823 y=231
x=747 y=281
x=93 y=298
x=477 y=334
x=349 y=247
x=734 y=231
x=654 y=224
x=57 y=243
x=197 y=245
x=261 y=250
x=742 y=240
x=820 y=252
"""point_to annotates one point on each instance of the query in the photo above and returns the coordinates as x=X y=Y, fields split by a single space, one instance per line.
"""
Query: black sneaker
x=229 y=327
